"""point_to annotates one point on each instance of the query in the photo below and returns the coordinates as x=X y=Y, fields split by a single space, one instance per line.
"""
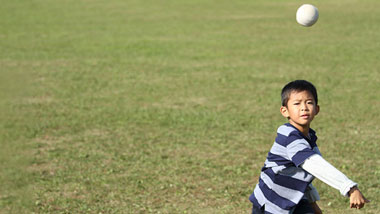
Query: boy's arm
x=323 y=170
x=316 y=208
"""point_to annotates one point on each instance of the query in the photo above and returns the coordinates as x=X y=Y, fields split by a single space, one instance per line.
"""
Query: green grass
x=171 y=106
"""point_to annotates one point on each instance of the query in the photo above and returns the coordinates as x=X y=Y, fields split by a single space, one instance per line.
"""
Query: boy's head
x=299 y=104
x=297 y=86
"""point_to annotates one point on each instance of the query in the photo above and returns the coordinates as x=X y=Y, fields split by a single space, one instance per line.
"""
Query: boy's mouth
x=305 y=116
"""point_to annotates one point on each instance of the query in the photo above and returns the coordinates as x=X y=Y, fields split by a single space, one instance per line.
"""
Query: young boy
x=294 y=160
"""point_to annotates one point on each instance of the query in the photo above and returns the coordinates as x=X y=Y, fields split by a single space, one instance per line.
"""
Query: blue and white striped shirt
x=282 y=183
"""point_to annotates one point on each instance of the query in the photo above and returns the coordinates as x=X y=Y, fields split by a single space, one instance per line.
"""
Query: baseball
x=307 y=15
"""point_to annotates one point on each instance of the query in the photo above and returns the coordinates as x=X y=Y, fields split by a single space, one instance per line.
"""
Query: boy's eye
x=296 y=103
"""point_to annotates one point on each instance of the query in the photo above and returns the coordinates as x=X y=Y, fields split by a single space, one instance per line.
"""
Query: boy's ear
x=284 y=111
x=317 y=110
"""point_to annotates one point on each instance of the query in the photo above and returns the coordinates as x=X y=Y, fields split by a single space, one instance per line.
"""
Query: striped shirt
x=282 y=183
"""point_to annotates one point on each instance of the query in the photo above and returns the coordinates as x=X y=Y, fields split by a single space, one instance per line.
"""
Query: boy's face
x=301 y=109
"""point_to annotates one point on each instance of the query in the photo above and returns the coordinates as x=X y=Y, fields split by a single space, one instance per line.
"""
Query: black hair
x=297 y=86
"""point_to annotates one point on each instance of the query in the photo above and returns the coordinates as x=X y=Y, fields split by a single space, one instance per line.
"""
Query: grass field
x=171 y=106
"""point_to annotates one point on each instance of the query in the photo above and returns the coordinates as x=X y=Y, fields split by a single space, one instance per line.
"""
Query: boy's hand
x=357 y=199
x=316 y=208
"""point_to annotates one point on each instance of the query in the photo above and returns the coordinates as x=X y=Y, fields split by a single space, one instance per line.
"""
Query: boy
x=294 y=160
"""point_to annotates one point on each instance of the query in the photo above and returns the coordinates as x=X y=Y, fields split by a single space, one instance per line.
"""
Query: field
x=131 y=106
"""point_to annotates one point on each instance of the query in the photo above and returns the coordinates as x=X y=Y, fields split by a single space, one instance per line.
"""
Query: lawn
x=131 y=106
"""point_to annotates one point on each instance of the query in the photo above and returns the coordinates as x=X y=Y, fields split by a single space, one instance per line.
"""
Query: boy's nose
x=304 y=107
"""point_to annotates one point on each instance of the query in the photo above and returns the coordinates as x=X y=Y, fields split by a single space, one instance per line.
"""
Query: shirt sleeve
x=324 y=171
x=298 y=150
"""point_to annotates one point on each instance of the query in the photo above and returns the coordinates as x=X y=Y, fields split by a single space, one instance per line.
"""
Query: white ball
x=307 y=15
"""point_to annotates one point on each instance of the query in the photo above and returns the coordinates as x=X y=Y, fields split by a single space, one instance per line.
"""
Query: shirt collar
x=313 y=137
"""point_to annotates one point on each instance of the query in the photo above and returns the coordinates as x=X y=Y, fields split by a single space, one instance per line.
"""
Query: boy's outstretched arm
x=324 y=171
x=357 y=199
